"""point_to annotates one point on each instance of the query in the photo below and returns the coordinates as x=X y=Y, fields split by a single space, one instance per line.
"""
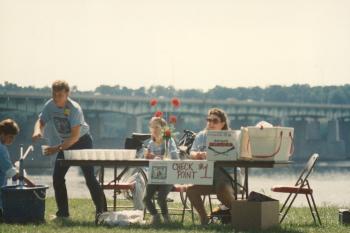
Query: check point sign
x=181 y=172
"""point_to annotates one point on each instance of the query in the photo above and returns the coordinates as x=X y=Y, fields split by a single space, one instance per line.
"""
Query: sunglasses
x=213 y=120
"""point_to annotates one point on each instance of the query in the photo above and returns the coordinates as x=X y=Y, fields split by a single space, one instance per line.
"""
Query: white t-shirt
x=63 y=119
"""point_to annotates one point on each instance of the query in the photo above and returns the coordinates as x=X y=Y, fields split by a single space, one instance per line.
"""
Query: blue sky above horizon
x=186 y=44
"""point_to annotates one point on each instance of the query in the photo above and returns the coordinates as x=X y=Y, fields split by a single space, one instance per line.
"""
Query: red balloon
x=153 y=102
x=175 y=102
x=158 y=114
x=167 y=133
x=172 y=119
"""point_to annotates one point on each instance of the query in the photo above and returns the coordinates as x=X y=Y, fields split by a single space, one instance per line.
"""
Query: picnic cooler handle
x=291 y=150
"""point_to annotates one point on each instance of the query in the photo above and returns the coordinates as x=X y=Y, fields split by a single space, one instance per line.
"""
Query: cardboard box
x=254 y=215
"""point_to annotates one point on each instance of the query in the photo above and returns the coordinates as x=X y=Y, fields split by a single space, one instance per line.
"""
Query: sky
x=184 y=43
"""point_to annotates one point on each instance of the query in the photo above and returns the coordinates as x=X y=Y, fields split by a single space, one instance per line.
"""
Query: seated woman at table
x=216 y=120
x=155 y=150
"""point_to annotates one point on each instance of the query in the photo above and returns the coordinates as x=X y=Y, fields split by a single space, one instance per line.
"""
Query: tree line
x=297 y=93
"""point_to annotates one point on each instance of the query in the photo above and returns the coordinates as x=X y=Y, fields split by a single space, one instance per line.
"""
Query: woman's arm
x=197 y=147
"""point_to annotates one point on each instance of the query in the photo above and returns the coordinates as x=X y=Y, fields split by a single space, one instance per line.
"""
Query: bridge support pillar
x=139 y=124
x=344 y=131
x=313 y=130
x=335 y=146
x=299 y=126
x=333 y=131
x=95 y=123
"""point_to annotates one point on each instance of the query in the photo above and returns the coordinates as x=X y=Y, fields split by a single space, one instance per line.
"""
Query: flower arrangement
x=169 y=129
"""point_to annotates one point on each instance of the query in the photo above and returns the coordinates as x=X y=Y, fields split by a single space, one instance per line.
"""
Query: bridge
x=323 y=128
x=139 y=106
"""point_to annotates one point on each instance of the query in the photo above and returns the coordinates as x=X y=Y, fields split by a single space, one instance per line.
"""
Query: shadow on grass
x=72 y=223
x=176 y=226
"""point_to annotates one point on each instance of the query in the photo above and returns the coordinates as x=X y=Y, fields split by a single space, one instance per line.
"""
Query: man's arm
x=68 y=142
x=38 y=130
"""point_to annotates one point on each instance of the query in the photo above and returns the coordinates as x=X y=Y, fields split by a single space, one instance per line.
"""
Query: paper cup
x=83 y=155
x=100 y=155
x=67 y=155
x=43 y=148
x=109 y=155
x=76 y=155
x=90 y=155
x=117 y=154
x=126 y=155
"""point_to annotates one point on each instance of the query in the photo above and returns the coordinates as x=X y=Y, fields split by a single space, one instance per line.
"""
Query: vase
x=166 y=150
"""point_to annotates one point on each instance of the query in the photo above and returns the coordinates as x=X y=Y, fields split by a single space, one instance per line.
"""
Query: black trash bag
x=258 y=197
x=221 y=214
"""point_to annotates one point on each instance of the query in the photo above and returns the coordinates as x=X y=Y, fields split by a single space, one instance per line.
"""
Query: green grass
x=82 y=221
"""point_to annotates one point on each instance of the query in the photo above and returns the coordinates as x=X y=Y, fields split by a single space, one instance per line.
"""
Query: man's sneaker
x=55 y=217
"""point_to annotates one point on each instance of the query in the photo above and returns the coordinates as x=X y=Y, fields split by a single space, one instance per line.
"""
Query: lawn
x=82 y=221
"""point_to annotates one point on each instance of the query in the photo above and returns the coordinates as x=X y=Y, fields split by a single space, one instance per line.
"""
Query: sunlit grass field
x=82 y=221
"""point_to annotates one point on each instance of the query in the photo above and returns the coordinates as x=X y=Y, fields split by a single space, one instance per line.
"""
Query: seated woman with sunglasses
x=216 y=120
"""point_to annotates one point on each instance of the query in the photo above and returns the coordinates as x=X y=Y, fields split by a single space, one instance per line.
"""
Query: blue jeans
x=59 y=182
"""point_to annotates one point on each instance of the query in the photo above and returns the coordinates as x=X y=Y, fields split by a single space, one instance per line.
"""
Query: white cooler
x=269 y=143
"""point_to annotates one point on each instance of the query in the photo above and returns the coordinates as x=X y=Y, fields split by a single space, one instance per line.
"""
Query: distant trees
x=11 y=87
x=296 y=93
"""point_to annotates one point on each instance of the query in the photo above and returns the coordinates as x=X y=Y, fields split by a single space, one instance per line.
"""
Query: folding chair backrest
x=185 y=142
x=307 y=170
x=136 y=141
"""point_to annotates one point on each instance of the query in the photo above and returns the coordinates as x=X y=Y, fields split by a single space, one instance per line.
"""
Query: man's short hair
x=60 y=85
x=9 y=127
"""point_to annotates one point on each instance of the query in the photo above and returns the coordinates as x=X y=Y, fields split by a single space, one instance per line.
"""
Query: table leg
x=236 y=183
x=246 y=182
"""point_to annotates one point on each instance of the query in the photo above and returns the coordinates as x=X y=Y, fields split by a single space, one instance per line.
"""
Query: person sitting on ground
x=8 y=131
x=155 y=150
x=216 y=120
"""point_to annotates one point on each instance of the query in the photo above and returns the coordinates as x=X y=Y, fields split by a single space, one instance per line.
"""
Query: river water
x=330 y=181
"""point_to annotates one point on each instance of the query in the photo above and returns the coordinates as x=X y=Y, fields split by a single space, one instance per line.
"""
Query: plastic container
x=23 y=204
x=344 y=216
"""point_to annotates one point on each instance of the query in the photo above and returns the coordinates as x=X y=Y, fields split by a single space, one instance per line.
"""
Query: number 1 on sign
x=204 y=167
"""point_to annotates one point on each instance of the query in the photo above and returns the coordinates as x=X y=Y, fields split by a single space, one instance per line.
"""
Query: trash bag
x=134 y=175
x=121 y=218
x=258 y=197
x=221 y=214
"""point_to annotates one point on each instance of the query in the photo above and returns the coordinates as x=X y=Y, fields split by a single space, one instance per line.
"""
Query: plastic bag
x=221 y=214
x=121 y=218
x=140 y=185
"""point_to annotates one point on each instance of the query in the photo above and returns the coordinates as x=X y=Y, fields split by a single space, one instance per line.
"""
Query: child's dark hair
x=9 y=126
